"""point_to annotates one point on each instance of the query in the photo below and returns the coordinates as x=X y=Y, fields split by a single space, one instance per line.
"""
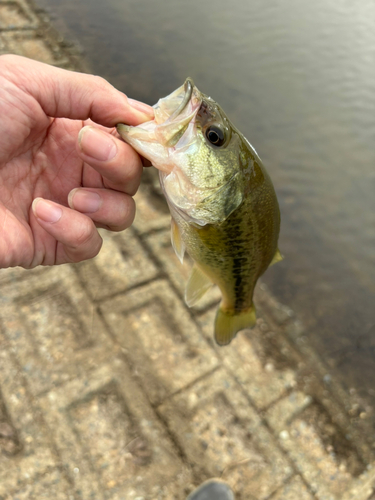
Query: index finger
x=68 y=94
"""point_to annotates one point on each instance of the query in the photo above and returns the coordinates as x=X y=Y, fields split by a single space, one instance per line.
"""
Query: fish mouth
x=188 y=87
x=173 y=114
x=172 y=130
x=169 y=132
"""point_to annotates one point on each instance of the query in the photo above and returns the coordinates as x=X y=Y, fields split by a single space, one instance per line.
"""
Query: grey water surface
x=298 y=79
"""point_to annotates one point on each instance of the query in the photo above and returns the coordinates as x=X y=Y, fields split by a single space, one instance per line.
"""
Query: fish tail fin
x=228 y=324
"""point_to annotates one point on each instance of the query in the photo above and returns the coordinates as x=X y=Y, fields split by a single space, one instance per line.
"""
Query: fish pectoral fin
x=276 y=258
x=228 y=324
x=198 y=284
x=177 y=243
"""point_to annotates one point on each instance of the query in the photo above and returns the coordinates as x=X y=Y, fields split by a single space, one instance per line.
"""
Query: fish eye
x=215 y=135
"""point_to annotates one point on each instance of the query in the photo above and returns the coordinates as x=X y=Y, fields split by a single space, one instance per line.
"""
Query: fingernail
x=147 y=110
x=97 y=144
x=84 y=201
x=46 y=211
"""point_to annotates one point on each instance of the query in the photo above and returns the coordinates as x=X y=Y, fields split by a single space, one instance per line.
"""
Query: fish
x=224 y=208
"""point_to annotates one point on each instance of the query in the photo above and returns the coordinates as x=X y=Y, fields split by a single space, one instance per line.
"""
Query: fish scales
x=235 y=262
x=223 y=204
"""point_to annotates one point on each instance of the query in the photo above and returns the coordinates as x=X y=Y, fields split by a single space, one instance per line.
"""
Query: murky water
x=297 y=78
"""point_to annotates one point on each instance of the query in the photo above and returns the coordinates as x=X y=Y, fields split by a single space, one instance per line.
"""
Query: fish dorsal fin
x=177 y=243
x=198 y=284
x=276 y=258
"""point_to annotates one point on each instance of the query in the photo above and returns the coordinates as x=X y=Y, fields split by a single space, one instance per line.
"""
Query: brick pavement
x=111 y=388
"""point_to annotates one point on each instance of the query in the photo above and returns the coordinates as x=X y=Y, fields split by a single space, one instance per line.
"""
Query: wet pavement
x=111 y=388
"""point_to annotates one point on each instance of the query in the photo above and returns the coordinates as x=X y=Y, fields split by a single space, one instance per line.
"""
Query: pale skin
x=64 y=172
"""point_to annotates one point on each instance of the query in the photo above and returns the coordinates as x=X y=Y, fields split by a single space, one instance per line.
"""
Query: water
x=297 y=78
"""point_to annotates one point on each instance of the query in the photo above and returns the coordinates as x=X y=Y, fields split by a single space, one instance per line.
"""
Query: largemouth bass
x=223 y=205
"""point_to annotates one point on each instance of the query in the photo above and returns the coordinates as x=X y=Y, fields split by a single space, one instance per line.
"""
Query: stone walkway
x=111 y=388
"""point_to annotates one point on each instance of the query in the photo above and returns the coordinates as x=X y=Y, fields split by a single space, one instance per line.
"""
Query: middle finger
x=117 y=162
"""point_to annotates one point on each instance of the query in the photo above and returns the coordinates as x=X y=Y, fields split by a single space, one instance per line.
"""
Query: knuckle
x=128 y=213
x=84 y=234
x=89 y=252
x=101 y=83
x=87 y=240
x=95 y=249
x=124 y=217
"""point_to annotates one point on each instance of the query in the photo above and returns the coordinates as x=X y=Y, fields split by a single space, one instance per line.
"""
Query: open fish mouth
x=186 y=96
x=173 y=115
x=175 y=105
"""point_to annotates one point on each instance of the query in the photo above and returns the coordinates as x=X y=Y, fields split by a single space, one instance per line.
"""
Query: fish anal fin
x=276 y=258
x=177 y=243
x=198 y=284
x=228 y=324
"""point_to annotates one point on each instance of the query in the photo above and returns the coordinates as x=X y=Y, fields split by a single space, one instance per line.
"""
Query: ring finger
x=107 y=208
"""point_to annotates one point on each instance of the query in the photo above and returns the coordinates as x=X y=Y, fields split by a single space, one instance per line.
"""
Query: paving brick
x=162 y=343
x=16 y=15
x=326 y=460
x=312 y=375
x=121 y=264
x=25 y=450
x=152 y=210
x=295 y=489
x=261 y=368
x=223 y=436
x=160 y=244
x=280 y=313
x=111 y=442
x=51 y=486
x=363 y=488
x=282 y=413
x=17 y=274
x=52 y=327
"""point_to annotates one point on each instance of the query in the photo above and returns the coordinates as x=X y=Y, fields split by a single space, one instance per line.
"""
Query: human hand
x=55 y=190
